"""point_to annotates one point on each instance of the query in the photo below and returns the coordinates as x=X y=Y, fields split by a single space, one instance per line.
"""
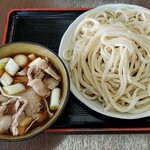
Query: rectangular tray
x=47 y=26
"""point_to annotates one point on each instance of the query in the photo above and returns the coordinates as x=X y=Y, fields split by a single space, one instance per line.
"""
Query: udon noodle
x=109 y=59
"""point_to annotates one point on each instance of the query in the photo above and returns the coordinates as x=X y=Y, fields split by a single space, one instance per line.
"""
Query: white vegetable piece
x=5 y=123
x=11 y=67
x=21 y=60
x=14 y=88
x=6 y=79
x=5 y=59
x=33 y=63
x=55 y=99
x=31 y=57
x=3 y=62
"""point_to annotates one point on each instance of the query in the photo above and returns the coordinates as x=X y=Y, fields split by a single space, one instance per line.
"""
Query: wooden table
x=47 y=141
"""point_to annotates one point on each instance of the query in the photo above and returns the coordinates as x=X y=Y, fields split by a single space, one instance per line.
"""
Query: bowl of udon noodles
x=34 y=89
x=107 y=53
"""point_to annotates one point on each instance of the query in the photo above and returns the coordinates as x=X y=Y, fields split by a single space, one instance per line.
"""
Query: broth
x=43 y=109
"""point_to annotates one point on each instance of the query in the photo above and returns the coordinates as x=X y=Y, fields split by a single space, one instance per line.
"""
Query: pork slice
x=2 y=109
x=17 y=104
x=32 y=109
x=3 y=98
x=30 y=96
x=39 y=74
x=51 y=83
x=31 y=104
x=52 y=73
x=43 y=64
x=34 y=73
x=39 y=63
x=11 y=100
x=34 y=101
x=29 y=74
x=17 y=117
x=39 y=87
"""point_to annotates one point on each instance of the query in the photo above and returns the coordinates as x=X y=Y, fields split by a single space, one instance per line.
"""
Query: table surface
x=47 y=141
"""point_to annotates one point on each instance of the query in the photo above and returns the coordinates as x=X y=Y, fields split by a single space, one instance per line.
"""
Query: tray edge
x=34 y=9
x=72 y=130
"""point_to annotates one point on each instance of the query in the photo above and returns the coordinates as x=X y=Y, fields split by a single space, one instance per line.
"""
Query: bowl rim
x=27 y=137
x=77 y=94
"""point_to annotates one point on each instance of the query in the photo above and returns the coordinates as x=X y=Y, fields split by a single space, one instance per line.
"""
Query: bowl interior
x=67 y=42
x=28 y=48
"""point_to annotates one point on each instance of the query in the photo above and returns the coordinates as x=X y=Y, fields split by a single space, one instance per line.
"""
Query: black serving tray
x=47 y=26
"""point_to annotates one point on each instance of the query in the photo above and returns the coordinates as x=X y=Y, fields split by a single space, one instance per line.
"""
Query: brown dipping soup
x=30 y=88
